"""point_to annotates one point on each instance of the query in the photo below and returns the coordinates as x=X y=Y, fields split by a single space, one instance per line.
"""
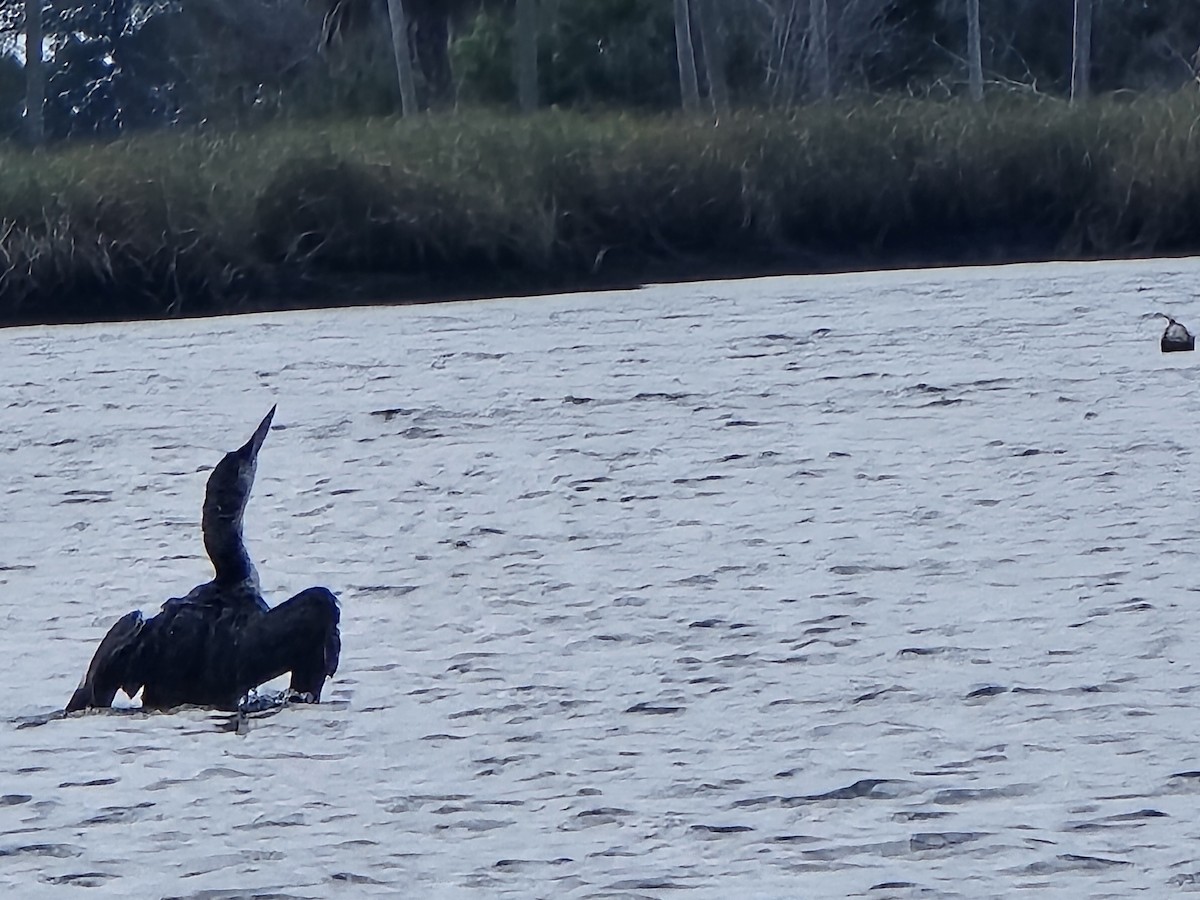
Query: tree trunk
x=712 y=42
x=974 y=50
x=525 y=60
x=786 y=65
x=818 y=49
x=1081 y=56
x=404 y=60
x=429 y=35
x=35 y=74
x=685 y=51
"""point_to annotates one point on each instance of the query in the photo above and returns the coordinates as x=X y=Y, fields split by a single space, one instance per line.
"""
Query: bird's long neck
x=225 y=499
x=227 y=550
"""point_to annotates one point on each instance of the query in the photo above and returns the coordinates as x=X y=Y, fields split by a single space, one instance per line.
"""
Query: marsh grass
x=176 y=223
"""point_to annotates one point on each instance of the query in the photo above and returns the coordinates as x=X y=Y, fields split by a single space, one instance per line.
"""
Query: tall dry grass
x=183 y=223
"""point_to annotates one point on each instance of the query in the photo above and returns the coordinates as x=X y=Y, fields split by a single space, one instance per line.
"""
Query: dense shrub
x=171 y=223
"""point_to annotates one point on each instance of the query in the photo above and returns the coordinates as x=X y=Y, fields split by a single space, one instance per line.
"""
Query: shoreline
x=377 y=290
x=372 y=290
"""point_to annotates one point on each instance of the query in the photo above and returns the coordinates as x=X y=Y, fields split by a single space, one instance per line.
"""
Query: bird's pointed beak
x=252 y=446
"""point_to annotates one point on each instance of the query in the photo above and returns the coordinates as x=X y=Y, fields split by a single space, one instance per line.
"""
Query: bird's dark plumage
x=1176 y=337
x=221 y=640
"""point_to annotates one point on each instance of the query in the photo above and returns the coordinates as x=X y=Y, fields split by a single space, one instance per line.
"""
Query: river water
x=873 y=585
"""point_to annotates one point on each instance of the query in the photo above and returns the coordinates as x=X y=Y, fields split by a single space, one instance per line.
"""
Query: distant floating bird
x=213 y=646
x=1176 y=337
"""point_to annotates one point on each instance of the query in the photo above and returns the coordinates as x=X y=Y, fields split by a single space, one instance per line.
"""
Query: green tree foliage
x=116 y=65
x=242 y=60
x=592 y=53
x=1136 y=44
x=108 y=73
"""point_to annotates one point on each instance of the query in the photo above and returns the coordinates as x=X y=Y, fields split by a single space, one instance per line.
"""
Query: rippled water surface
x=873 y=585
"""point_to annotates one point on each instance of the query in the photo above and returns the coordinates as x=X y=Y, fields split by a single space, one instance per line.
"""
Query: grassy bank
x=175 y=223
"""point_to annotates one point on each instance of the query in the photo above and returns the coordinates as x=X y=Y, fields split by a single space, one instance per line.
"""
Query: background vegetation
x=204 y=155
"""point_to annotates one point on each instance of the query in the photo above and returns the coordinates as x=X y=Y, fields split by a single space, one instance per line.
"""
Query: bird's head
x=230 y=482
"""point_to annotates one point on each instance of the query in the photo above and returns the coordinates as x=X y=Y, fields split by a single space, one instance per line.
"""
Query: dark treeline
x=117 y=65
x=208 y=155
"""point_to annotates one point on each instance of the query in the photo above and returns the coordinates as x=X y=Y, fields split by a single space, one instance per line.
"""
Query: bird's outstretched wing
x=110 y=666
